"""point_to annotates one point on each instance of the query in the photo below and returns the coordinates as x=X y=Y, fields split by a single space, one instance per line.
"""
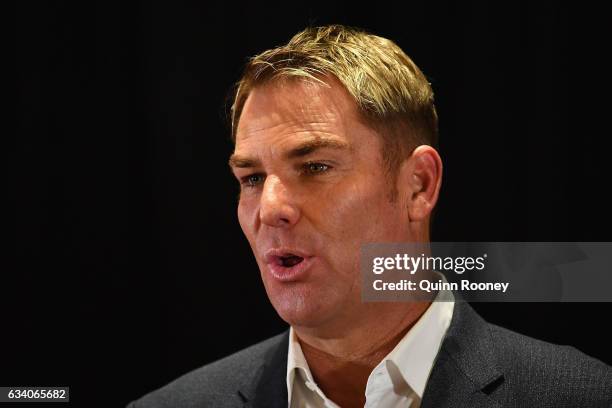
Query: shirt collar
x=413 y=356
x=295 y=361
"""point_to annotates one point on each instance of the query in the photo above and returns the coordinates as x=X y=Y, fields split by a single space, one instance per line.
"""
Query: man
x=335 y=136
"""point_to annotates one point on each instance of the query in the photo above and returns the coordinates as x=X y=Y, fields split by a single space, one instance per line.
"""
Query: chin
x=299 y=307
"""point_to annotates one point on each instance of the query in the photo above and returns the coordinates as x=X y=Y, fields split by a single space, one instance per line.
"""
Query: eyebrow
x=242 y=162
x=301 y=150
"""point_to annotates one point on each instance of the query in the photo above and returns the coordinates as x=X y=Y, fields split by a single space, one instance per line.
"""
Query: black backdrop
x=129 y=267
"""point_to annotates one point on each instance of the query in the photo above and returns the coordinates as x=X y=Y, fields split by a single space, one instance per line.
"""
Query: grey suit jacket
x=479 y=365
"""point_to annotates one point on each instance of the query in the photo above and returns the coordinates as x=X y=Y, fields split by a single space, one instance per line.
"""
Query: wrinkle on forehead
x=296 y=106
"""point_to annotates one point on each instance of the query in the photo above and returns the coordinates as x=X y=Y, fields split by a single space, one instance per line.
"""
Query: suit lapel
x=464 y=374
x=269 y=388
x=465 y=371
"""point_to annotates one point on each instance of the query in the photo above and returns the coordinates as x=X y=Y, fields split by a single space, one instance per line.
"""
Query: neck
x=342 y=363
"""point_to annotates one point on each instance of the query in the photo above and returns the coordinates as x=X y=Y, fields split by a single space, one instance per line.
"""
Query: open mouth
x=289 y=260
x=287 y=265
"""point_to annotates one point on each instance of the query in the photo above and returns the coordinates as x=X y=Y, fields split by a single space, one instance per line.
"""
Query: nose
x=277 y=207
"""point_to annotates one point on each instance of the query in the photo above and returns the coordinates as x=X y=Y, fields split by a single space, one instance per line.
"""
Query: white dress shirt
x=398 y=380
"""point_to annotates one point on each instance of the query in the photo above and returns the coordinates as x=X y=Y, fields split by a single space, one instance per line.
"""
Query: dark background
x=129 y=267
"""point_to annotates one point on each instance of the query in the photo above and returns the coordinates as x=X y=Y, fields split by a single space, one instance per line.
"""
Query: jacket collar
x=465 y=371
x=269 y=386
x=464 y=374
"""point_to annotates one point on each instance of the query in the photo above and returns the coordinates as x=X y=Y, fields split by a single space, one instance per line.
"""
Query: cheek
x=348 y=218
x=247 y=217
x=357 y=212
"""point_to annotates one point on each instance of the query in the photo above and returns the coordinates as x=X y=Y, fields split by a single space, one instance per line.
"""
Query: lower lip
x=292 y=273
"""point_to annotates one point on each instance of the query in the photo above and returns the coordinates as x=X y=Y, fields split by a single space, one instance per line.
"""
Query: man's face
x=313 y=190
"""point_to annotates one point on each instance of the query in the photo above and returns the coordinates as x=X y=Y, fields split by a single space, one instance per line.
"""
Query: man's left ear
x=423 y=174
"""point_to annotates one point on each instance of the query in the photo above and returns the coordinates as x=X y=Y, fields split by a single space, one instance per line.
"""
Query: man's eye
x=252 y=180
x=315 y=168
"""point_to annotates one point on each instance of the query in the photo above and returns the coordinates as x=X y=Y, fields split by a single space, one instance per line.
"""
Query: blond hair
x=390 y=91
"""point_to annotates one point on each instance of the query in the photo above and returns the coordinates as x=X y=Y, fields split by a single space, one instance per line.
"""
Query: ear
x=422 y=173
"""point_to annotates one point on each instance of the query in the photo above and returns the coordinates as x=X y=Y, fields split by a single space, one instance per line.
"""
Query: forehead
x=297 y=107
